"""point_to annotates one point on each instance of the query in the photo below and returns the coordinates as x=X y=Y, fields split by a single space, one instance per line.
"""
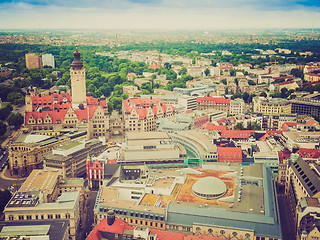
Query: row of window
x=36 y=217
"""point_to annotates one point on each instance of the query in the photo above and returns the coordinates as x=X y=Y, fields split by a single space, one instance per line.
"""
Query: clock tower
x=78 y=82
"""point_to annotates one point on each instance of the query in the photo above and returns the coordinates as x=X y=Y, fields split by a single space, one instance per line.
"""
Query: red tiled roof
x=284 y=83
x=219 y=100
x=237 y=133
x=309 y=153
x=210 y=126
x=119 y=226
x=272 y=133
x=231 y=154
x=154 y=66
x=311 y=122
x=142 y=105
x=285 y=154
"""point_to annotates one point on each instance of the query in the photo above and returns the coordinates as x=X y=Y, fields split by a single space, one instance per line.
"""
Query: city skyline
x=149 y=14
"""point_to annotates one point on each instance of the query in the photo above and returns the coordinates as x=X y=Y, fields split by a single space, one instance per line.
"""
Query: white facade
x=48 y=60
x=188 y=102
x=237 y=106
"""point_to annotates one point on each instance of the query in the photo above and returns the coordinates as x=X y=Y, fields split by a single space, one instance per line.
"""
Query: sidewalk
x=7 y=176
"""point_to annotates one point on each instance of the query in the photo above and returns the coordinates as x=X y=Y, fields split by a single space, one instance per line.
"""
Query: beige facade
x=271 y=107
x=70 y=158
x=24 y=157
x=45 y=211
x=99 y=123
x=78 y=82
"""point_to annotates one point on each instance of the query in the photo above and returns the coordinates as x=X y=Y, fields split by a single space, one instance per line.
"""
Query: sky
x=159 y=14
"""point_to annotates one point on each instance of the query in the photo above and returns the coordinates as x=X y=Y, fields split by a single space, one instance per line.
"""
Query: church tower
x=78 y=82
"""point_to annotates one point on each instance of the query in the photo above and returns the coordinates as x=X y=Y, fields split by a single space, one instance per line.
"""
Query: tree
x=207 y=72
x=250 y=82
x=263 y=94
x=183 y=71
x=16 y=120
x=239 y=126
x=3 y=128
x=5 y=112
x=245 y=97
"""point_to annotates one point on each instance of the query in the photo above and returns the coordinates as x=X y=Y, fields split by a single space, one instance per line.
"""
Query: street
x=88 y=214
x=286 y=218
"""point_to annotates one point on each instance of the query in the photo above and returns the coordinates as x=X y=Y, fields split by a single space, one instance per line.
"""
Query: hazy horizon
x=159 y=15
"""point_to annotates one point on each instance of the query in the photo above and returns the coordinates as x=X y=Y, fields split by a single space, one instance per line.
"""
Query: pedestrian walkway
x=8 y=177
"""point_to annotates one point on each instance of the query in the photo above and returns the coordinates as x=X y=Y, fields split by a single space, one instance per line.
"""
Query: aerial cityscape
x=159 y=120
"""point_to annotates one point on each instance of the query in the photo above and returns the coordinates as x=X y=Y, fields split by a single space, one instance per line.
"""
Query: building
x=48 y=60
x=202 y=202
x=308 y=105
x=229 y=154
x=140 y=114
x=188 y=102
x=41 y=197
x=216 y=103
x=275 y=106
x=26 y=152
x=78 y=82
x=302 y=181
x=46 y=229
x=197 y=144
x=70 y=158
x=308 y=223
x=33 y=61
x=292 y=140
x=24 y=206
x=153 y=147
x=115 y=228
x=312 y=77
x=237 y=106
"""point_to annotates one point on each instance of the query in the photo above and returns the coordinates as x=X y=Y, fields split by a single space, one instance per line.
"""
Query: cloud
x=161 y=14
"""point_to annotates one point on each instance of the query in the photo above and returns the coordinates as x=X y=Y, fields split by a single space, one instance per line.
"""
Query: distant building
x=33 y=61
x=307 y=105
x=48 y=60
x=140 y=114
x=312 y=77
x=188 y=102
x=216 y=103
x=274 y=106
x=237 y=106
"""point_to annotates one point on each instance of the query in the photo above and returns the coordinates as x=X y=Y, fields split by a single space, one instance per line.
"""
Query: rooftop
x=43 y=180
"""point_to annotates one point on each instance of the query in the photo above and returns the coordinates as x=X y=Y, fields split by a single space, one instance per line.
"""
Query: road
x=286 y=218
x=89 y=213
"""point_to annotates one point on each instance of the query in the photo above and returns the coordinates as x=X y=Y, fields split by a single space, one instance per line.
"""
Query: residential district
x=190 y=163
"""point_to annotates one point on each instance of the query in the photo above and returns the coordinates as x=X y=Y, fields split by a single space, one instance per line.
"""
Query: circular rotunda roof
x=209 y=187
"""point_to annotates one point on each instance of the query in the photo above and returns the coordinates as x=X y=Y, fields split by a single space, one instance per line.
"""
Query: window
x=29 y=217
x=50 y=216
x=210 y=231
x=21 y=217
x=198 y=229
x=11 y=218
x=67 y=215
x=58 y=216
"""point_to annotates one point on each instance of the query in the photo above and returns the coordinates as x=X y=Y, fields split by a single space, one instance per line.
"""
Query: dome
x=209 y=188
